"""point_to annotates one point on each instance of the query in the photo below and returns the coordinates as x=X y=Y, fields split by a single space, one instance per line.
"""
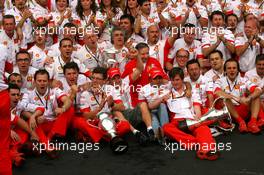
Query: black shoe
x=151 y=135
x=141 y=138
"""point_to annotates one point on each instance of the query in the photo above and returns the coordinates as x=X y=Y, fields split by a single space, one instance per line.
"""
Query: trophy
x=117 y=144
x=211 y=117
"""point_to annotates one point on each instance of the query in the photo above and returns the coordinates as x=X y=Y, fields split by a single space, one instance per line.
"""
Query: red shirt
x=5 y=120
x=135 y=86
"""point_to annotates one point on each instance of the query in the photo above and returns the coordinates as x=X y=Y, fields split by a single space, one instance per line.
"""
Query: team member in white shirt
x=55 y=106
x=201 y=84
x=25 y=70
x=256 y=75
x=24 y=19
x=183 y=108
x=248 y=46
x=155 y=94
x=9 y=37
x=234 y=88
x=159 y=49
x=217 y=63
x=39 y=50
x=102 y=98
x=146 y=17
x=56 y=68
x=6 y=65
x=217 y=37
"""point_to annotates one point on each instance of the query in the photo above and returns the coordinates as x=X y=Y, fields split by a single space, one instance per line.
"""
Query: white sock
x=149 y=128
x=135 y=131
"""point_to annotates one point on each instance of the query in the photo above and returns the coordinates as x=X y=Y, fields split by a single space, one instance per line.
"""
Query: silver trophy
x=117 y=144
x=213 y=116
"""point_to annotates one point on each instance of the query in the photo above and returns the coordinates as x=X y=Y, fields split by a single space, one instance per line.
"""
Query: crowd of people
x=151 y=62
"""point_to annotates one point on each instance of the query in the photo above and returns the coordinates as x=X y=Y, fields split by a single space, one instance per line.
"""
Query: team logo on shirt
x=37 y=55
x=151 y=20
x=17 y=17
x=191 y=49
x=29 y=78
x=5 y=42
x=92 y=98
x=197 y=85
x=36 y=99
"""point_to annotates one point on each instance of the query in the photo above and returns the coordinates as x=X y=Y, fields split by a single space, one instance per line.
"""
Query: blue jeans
x=160 y=116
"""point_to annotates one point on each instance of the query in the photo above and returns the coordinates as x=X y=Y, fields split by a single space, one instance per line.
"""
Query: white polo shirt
x=247 y=59
x=38 y=56
x=54 y=50
x=118 y=55
x=11 y=44
x=151 y=92
x=253 y=76
x=56 y=68
x=39 y=11
x=203 y=87
x=89 y=101
x=28 y=79
x=5 y=63
x=48 y=102
x=27 y=27
x=209 y=39
x=182 y=106
x=195 y=50
x=159 y=51
x=237 y=88
x=212 y=73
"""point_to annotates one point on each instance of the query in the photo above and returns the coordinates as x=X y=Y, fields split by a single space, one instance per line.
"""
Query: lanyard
x=97 y=101
x=231 y=89
x=96 y=58
x=46 y=106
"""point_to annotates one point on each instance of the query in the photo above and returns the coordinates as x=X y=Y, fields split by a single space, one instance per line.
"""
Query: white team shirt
x=209 y=39
x=90 y=101
x=203 y=86
x=4 y=59
x=182 y=106
x=49 y=101
x=38 y=56
x=237 y=88
x=247 y=59
x=253 y=76
x=212 y=73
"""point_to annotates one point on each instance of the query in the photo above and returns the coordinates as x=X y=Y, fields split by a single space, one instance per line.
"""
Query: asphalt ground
x=246 y=156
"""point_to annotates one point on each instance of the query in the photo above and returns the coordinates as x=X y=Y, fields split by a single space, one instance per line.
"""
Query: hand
x=242 y=8
x=40 y=119
x=188 y=93
x=244 y=100
x=166 y=97
x=196 y=11
x=132 y=53
x=32 y=123
x=159 y=9
x=187 y=13
x=84 y=87
x=74 y=89
x=57 y=84
x=15 y=137
x=110 y=101
x=26 y=14
x=216 y=77
x=110 y=15
x=68 y=13
x=59 y=111
x=251 y=38
x=221 y=37
x=34 y=136
x=48 y=60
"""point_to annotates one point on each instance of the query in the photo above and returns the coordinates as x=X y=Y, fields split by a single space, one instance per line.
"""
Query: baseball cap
x=113 y=72
x=154 y=72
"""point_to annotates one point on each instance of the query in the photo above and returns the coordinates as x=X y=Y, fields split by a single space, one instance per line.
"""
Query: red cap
x=154 y=72
x=113 y=72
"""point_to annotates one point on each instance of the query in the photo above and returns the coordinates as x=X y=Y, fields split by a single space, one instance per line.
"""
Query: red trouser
x=5 y=122
x=96 y=134
x=48 y=129
x=23 y=135
x=201 y=135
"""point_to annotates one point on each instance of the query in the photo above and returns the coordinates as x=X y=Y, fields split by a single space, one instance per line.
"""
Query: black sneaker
x=151 y=135
x=141 y=138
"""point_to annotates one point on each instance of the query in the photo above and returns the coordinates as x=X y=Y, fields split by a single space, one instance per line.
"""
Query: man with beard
x=242 y=97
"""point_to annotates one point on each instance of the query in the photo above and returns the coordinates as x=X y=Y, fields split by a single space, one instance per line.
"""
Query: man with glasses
x=25 y=70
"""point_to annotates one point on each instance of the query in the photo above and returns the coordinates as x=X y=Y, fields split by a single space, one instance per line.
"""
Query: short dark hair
x=176 y=71
x=192 y=61
x=23 y=52
x=69 y=24
x=259 y=57
x=101 y=70
x=232 y=14
x=129 y=17
x=71 y=65
x=216 y=51
x=9 y=17
x=13 y=86
x=65 y=39
x=232 y=60
x=141 y=45
x=41 y=72
x=113 y=31
x=141 y=2
x=15 y=75
x=217 y=12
